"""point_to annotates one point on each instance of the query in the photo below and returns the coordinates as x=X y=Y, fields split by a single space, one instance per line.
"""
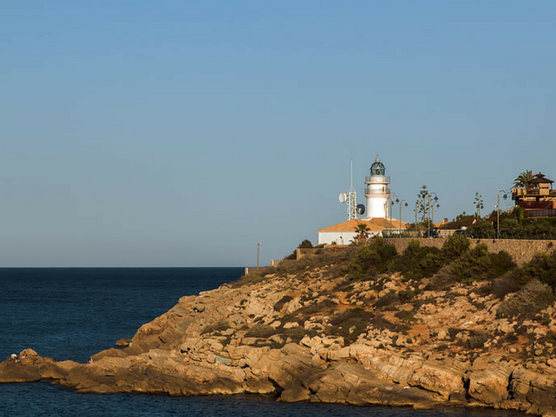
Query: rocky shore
x=312 y=333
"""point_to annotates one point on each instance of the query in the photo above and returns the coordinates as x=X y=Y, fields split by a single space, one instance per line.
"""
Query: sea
x=73 y=313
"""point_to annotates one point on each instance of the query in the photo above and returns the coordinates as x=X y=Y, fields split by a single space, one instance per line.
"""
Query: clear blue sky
x=162 y=133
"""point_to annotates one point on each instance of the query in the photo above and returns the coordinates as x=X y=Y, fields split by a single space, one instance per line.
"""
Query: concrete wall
x=340 y=238
x=520 y=249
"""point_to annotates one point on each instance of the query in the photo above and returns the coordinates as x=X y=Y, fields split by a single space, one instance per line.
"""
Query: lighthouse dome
x=377 y=168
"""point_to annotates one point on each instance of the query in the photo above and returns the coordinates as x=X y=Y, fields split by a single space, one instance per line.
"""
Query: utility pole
x=498 y=211
x=258 y=250
x=401 y=201
x=429 y=211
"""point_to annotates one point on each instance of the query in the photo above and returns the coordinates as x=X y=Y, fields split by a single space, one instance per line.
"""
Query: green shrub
x=349 y=324
x=519 y=214
x=549 y=337
x=500 y=263
x=298 y=333
x=282 y=302
x=528 y=301
x=305 y=244
x=406 y=315
x=455 y=246
x=418 y=262
x=372 y=259
x=217 y=327
x=262 y=331
x=462 y=220
x=389 y=299
x=472 y=265
x=453 y=332
x=324 y=305
x=476 y=339
x=417 y=304
x=542 y=267
x=511 y=338
x=405 y=296
x=272 y=344
x=254 y=276
x=381 y=323
x=332 y=256
x=442 y=280
x=478 y=264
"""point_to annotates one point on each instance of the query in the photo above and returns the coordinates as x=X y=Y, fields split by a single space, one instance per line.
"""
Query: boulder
x=123 y=342
x=438 y=378
x=489 y=385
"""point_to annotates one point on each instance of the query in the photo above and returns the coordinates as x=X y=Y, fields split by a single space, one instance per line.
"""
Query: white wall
x=340 y=238
x=376 y=207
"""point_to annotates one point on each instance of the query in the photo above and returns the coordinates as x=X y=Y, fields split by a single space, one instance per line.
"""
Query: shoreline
x=311 y=333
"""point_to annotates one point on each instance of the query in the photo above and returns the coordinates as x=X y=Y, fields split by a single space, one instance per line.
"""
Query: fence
x=540 y=213
x=515 y=233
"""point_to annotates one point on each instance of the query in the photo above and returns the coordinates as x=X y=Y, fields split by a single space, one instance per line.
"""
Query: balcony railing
x=535 y=192
x=377 y=192
x=377 y=180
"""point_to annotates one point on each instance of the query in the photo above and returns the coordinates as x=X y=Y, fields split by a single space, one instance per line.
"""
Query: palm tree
x=362 y=231
x=523 y=179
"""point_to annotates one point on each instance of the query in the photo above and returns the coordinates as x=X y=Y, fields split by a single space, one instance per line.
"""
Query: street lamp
x=433 y=206
x=258 y=249
x=429 y=203
x=505 y=196
x=391 y=207
x=400 y=203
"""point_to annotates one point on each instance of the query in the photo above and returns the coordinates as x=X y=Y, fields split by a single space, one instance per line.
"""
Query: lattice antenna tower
x=351 y=197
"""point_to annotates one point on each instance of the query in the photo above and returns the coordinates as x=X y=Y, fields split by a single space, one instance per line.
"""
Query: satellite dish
x=342 y=197
x=360 y=209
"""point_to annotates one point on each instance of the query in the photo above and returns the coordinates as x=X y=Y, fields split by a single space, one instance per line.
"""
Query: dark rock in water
x=30 y=367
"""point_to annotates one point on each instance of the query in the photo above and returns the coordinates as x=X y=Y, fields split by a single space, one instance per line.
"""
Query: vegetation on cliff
x=361 y=324
x=519 y=292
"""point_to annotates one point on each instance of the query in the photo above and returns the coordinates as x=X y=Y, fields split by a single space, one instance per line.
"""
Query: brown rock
x=438 y=378
x=294 y=394
x=489 y=385
x=123 y=342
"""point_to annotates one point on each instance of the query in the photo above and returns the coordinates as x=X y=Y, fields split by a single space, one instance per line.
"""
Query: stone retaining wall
x=520 y=249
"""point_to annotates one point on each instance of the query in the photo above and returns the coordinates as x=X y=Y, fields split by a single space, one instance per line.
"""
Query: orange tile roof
x=375 y=224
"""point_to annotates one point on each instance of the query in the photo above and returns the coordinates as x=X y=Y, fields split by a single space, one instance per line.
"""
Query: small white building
x=344 y=233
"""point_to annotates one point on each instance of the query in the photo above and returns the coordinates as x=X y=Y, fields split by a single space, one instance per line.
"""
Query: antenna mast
x=351 y=197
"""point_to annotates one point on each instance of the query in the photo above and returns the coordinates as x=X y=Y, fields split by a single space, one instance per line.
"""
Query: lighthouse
x=377 y=191
x=378 y=219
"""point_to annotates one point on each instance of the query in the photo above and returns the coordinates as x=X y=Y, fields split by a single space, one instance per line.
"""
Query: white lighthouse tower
x=377 y=191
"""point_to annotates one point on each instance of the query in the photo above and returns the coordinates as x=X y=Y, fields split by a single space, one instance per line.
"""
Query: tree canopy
x=523 y=179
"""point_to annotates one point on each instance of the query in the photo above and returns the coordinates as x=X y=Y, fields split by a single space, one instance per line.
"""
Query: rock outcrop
x=314 y=335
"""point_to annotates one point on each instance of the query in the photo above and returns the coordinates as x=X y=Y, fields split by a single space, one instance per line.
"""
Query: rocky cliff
x=311 y=332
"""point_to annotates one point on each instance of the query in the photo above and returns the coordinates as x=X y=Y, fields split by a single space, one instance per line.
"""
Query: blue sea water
x=72 y=313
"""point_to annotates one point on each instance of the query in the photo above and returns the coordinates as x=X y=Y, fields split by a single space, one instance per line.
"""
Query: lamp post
x=433 y=206
x=429 y=204
x=258 y=250
x=505 y=196
x=391 y=207
x=400 y=203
